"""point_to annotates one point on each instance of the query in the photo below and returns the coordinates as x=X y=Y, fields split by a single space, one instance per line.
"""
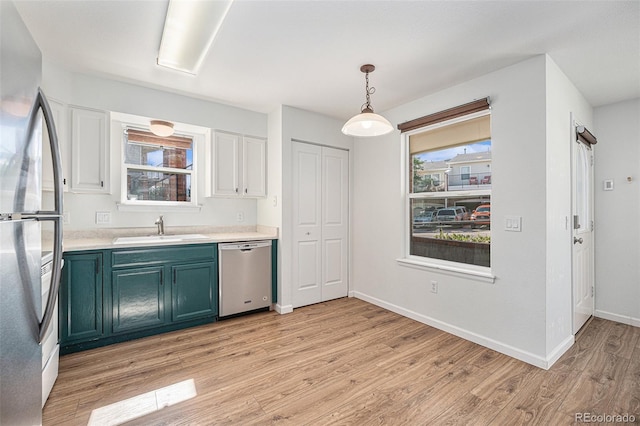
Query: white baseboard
x=624 y=319
x=487 y=342
x=284 y=309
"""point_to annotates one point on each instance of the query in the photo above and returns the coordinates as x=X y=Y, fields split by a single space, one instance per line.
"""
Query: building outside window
x=158 y=169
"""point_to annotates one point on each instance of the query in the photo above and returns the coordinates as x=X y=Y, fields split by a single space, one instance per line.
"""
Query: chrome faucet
x=160 y=224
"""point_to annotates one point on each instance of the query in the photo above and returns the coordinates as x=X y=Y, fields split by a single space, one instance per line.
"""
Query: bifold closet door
x=320 y=218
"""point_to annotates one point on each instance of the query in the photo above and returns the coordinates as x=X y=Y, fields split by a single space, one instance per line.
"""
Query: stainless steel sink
x=158 y=239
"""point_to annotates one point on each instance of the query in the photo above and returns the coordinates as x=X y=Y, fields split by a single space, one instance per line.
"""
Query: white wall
x=285 y=125
x=111 y=95
x=617 y=229
x=510 y=314
x=563 y=99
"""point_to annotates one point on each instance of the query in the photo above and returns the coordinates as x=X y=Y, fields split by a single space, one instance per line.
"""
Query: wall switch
x=434 y=286
x=103 y=218
x=240 y=217
x=513 y=223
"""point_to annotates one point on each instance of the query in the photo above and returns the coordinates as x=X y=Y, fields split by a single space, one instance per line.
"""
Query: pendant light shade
x=367 y=123
x=161 y=128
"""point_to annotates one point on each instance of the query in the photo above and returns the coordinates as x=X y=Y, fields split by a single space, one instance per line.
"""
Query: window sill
x=158 y=207
x=479 y=274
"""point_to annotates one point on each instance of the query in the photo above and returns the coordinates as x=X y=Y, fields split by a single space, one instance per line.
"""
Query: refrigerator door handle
x=55 y=216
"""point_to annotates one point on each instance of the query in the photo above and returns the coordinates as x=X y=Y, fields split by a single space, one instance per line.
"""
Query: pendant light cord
x=369 y=91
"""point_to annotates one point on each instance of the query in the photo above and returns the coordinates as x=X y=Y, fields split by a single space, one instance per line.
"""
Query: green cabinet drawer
x=171 y=254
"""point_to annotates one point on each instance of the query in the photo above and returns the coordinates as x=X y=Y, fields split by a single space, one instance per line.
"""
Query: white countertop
x=103 y=238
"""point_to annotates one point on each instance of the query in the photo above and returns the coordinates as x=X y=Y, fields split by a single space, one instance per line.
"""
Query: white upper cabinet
x=254 y=166
x=89 y=150
x=237 y=166
x=59 y=111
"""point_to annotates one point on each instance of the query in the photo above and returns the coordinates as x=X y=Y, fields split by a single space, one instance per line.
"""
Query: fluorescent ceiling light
x=189 y=30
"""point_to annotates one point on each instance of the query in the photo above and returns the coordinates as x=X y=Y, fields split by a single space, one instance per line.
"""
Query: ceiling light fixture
x=189 y=31
x=367 y=123
x=161 y=128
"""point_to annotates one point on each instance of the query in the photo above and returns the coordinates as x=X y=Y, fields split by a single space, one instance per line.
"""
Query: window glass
x=450 y=195
x=158 y=169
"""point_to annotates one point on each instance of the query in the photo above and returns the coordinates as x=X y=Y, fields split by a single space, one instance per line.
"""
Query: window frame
x=483 y=273
x=199 y=136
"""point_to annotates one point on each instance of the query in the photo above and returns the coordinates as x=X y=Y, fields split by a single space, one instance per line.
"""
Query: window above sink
x=158 y=173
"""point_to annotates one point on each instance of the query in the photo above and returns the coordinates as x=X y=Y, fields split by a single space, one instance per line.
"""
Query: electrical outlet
x=240 y=217
x=434 y=286
x=66 y=218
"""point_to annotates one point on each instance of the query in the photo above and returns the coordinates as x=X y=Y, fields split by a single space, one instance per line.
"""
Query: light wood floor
x=349 y=362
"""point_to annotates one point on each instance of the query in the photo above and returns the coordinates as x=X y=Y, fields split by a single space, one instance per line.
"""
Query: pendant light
x=367 y=123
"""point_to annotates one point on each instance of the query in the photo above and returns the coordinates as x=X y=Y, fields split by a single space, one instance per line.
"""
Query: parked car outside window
x=482 y=213
x=449 y=214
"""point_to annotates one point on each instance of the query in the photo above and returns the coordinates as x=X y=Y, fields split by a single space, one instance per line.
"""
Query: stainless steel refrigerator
x=22 y=322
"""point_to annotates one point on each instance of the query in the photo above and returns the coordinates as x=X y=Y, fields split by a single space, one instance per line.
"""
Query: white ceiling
x=307 y=54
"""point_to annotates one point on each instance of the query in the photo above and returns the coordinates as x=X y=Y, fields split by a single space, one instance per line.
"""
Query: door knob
x=577 y=240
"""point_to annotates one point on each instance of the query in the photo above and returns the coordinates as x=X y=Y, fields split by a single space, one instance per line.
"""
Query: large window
x=157 y=169
x=449 y=190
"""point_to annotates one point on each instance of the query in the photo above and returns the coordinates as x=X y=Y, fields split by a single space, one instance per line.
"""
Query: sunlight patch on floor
x=138 y=406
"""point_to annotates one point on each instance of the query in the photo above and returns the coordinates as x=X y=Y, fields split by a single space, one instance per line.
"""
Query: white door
x=335 y=219
x=320 y=223
x=583 y=253
x=307 y=224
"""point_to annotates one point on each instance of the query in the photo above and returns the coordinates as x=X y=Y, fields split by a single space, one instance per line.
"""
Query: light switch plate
x=103 y=218
x=513 y=223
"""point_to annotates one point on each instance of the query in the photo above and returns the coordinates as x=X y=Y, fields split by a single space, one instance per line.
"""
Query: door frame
x=349 y=204
x=579 y=231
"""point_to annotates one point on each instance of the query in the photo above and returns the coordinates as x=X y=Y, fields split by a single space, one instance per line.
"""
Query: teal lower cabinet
x=194 y=291
x=110 y=296
x=80 y=299
x=138 y=298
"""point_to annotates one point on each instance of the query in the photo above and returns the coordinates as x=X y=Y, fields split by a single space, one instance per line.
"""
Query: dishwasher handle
x=245 y=246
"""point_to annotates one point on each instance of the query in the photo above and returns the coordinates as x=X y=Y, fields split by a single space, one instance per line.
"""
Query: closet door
x=320 y=223
x=307 y=224
x=335 y=221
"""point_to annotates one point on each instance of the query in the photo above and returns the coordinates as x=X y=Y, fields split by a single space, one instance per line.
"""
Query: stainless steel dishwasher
x=245 y=276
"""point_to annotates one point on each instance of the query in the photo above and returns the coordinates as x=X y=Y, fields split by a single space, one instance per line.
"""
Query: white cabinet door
x=238 y=166
x=226 y=160
x=320 y=223
x=59 y=111
x=89 y=151
x=254 y=167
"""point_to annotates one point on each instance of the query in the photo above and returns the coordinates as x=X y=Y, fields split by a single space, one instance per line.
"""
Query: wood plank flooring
x=349 y=362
